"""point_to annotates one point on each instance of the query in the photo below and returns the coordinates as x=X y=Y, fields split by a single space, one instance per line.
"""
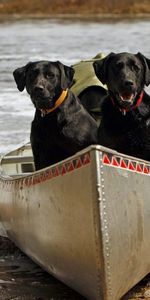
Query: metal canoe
x=85 y=220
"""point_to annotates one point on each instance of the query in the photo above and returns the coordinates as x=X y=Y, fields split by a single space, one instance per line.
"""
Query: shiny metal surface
x=84 y=220
x=124 y=214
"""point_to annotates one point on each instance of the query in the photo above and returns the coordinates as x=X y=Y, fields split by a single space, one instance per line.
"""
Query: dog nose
x=129 y=82
x=39 y=88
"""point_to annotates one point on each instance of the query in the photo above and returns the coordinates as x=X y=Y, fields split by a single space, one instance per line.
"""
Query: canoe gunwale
x=104 y=150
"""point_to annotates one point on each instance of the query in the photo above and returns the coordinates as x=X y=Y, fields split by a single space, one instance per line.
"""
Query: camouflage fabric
x=85 y=76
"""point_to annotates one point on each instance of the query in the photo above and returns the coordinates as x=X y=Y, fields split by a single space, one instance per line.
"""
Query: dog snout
x=129 y=83
x=38 y=89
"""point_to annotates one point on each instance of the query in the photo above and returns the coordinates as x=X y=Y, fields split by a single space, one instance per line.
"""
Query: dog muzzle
x=58 y=102
x=127 y=101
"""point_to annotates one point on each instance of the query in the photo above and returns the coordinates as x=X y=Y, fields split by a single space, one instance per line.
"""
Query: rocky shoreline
x=77 y=17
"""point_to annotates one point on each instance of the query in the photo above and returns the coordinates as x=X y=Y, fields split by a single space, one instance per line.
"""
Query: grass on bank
x=74 y=6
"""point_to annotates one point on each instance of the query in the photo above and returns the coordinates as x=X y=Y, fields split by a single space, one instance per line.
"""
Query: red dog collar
x=125 y=110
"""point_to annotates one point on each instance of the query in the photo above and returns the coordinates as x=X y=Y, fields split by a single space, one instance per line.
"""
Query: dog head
x=44 y=81
x=125 y=75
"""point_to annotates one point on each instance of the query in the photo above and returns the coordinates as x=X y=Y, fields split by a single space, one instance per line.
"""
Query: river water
x=69 y=41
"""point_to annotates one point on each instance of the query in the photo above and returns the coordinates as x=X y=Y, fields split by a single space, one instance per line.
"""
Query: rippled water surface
x=69 y=42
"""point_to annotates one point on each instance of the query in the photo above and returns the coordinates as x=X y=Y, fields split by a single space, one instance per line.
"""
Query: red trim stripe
x=132 y=165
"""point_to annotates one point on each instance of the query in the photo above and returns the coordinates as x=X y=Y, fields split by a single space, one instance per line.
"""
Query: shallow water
x=67 y=41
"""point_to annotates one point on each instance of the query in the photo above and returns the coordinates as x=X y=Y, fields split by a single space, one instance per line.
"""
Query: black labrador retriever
x=61 y=125
x=125 y=124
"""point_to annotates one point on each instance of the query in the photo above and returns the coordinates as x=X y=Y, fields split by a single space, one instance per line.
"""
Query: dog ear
x=67 y=74
x=146 y=64
x=101 y=67
x=20 y=77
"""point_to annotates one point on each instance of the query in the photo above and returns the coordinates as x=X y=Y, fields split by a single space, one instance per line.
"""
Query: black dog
x=125 y=124
x=61 y=125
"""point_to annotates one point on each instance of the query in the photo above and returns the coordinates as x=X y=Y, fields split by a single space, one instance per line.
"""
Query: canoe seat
x=17 y=165
x=16 y=175
x=17 y=159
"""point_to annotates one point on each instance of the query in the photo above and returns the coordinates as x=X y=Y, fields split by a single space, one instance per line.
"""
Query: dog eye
x=49 y=75
x=119 y=65
x=136 y=68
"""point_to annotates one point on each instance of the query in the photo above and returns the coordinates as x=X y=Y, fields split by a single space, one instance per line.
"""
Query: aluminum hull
x=85 y=220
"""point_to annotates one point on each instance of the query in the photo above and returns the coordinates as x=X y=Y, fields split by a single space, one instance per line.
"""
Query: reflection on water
x=69 y=42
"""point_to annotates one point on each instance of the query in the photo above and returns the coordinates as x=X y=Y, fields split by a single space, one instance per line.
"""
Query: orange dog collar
x=58 y=102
